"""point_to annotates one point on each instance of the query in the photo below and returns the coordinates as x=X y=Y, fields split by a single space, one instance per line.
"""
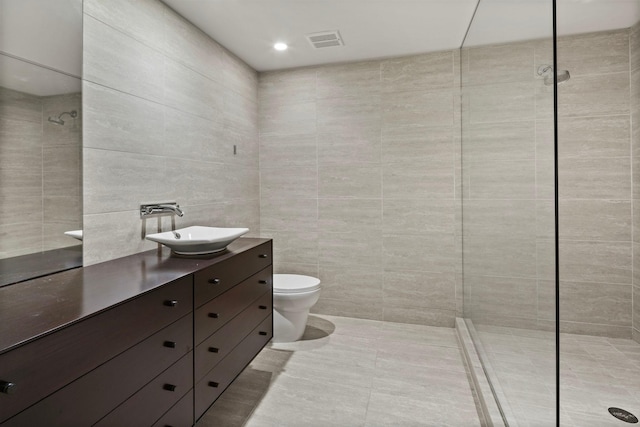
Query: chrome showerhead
x=59 y=120
x=546 y=71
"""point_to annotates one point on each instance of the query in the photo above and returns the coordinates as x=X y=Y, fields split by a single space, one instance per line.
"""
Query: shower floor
x=353 y=372
x=595 y=373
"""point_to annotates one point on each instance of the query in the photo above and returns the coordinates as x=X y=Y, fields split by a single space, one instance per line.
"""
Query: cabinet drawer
x=181 y=415
x=149 y=404
x=91 y=397
x=217 y=312
x=216 y=347
x=214 y=280
x=209 y=388
x=43 y=366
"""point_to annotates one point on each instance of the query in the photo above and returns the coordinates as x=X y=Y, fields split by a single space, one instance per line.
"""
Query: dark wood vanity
x=145 y=340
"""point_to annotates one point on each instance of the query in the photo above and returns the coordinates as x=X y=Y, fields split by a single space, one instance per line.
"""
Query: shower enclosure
x=557 y=336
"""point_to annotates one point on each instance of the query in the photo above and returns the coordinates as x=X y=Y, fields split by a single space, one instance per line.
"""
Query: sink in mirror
x=198 y=240
x=76 y=234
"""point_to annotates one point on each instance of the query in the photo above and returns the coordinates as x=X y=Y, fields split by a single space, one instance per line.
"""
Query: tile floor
x=596 y=373
x=352 y=372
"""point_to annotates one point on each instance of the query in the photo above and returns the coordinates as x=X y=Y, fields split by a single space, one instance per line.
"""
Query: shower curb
x=491 y=413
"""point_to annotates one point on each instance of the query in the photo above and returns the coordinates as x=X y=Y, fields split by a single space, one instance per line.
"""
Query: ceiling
x=386 y=28
x=47 y=36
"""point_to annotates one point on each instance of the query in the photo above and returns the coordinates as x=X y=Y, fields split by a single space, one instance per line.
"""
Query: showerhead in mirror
x=59 y=120
x=546 y=71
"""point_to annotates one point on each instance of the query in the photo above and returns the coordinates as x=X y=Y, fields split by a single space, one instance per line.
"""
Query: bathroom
x=418 y=186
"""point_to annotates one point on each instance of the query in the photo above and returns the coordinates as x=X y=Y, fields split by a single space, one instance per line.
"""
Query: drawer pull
x=169 y=344
x=214 y=281
x=263 y=307
x=7 y=387
x=213 y=315
x=262 y=282
x=263 y=256
x=262 y=333
x=213 y=350
x=213 y=384
x=171 y=303
x=169 y=387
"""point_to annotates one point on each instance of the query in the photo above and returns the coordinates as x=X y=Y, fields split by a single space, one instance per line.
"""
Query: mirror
x=40 y=138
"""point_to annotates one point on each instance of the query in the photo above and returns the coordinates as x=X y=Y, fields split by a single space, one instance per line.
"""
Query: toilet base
x=289 y=326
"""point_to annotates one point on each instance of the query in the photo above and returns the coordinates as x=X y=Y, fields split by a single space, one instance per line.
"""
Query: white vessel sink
x=198 y=240
x=76 y=234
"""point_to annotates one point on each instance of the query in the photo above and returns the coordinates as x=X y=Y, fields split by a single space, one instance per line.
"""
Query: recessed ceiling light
x=280 y=46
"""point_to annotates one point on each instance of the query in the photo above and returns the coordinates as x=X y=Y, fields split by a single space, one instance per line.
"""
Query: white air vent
x=325 y=39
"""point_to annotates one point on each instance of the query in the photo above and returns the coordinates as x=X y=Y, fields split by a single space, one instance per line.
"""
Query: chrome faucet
x=157 y=209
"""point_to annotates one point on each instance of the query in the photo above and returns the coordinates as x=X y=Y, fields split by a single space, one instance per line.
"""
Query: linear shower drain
x=623 y=415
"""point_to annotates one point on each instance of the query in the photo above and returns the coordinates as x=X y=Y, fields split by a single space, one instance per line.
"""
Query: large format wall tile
x=287 y=87
x=192 y=137
x=20 y=106
x=360 y=146
x=409 y=144
x=594 y=53
x=418 y=217
x=345 y=215
x=594 y=137
x=506 y=256
x=502 y=180
x=116 y=121
x=502 y=296
x=117 y=61
x=595 y=220
x=431 y=71
x=603 y=178
x=288 y=150
x=595 y=303
x=350 y=181
x=190 y=92
x=497 y=64
x=489 y=142
x=504 y=102
x=430 y=108
x=141 y=19
x=594 y=95
x=289 y=214
x=287 y=119
x=192 y=47
x=418 y=179
x=590 y=261
x=291 y=182
x=354 y=80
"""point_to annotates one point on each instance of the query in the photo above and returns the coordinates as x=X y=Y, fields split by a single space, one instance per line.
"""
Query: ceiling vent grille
x=325 y=39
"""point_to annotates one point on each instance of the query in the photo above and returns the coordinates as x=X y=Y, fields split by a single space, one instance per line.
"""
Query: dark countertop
x=36 y=307
x=30 y=266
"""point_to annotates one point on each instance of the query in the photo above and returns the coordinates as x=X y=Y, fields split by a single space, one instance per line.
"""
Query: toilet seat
x=294 y=283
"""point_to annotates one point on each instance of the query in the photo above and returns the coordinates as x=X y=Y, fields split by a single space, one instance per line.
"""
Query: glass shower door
x=508 y=204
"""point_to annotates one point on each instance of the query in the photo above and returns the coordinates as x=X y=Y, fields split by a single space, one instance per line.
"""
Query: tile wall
x=40 y=181
x=634 y=66
x=357 y=174
x=164 y=106
x=508 y=185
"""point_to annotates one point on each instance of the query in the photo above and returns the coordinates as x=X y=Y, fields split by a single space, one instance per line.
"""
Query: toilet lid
x=294 y=283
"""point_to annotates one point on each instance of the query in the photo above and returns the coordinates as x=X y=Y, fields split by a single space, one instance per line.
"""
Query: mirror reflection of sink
x=76 y=234
x=198 y=240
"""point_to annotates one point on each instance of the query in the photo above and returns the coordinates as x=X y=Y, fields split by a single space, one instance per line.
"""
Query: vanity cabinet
x=232 y=323
x=161 y=357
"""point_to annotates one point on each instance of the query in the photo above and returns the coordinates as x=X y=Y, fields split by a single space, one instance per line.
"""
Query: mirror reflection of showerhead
x=59 y=120
x=546 y=71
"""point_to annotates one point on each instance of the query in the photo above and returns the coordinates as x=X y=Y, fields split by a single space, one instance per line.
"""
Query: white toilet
x=293 y=297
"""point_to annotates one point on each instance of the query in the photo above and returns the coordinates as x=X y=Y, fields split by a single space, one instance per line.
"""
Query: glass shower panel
x=598 y=182
x=508 y=203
